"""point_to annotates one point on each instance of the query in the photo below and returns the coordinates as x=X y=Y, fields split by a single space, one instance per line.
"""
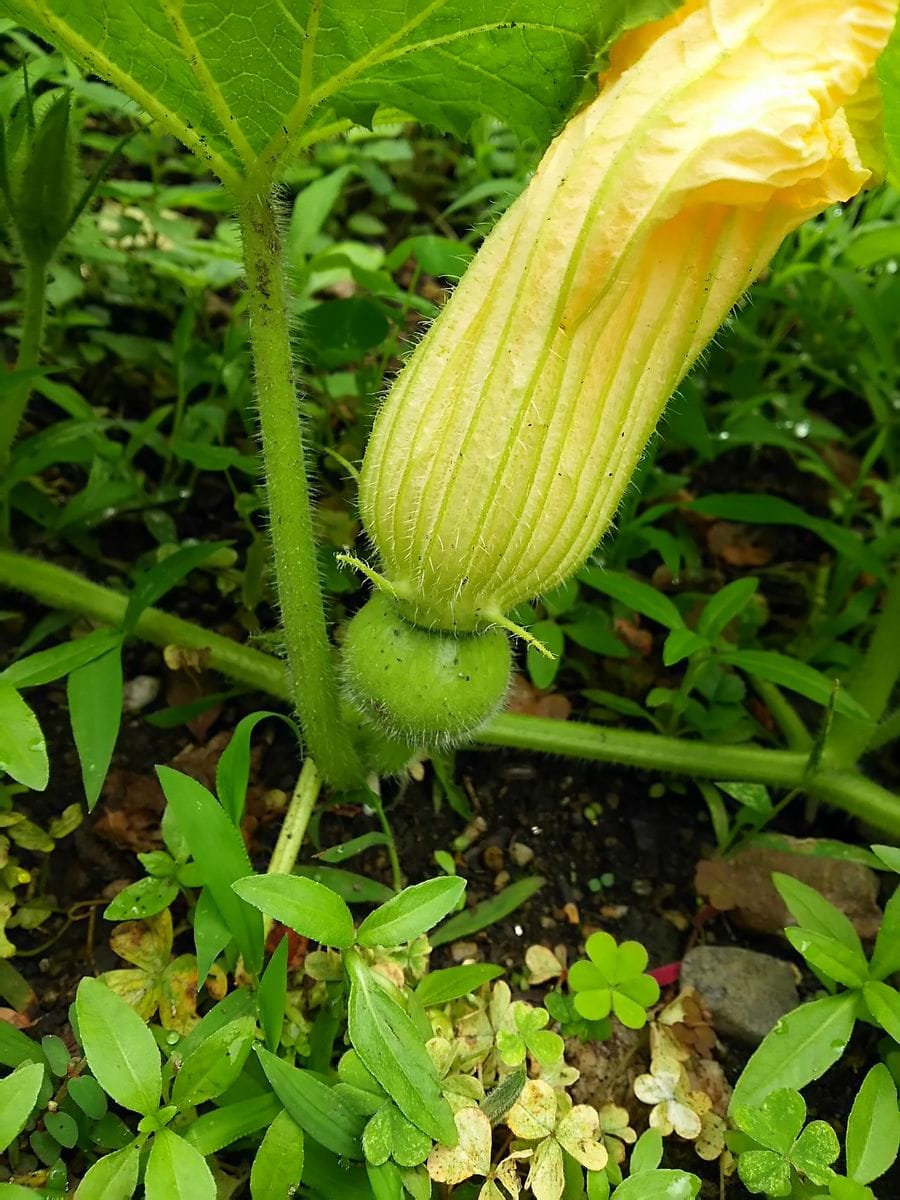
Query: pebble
x=747 y=992
x=520 y=854
x=461 y=951
x=493 y=858
x=139 y=692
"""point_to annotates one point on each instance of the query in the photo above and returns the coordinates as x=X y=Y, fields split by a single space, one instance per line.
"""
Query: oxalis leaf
x=244 y=86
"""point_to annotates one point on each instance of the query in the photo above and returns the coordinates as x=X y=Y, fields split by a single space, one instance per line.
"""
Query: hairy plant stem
x=13 y=407
x=872 y=683
x=59 y=588
x=312 y=677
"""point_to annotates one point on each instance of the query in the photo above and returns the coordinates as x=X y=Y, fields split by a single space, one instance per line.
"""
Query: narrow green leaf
x=682 y=643
x=647 y=1153
x=658 y=1185
x=211 y=934
x=487 y=912
x=316 y=1107
x=353 y=888
x=175 y=1171
x=543 y=670
x=23 y=752
x=440 y=987
x=15 y=1191
x=215 y=1065
x=801 y=1047
x=828 y=955
x=873 y=1128
x=120 y=1049
x=17 y=1048
x=47 y=665
x=413 y=911
x=597 y=1185
x=634 y=594
x=18 y=1096
x=884 y=1005
x=312 y=205
x=886 y=955
x=500 y=1099
x=238 y=1003
x=385 y=1181
x=162 y=576
x=219 y=849
x=725 y=605
x=890 y=856
x=773 y=510
x=95 y=710
x=788 y=672
x=386 y=1040
x=345 y=850
x=278 y=1163
x=113 y=1177
x=215 y=1130
x=305 y=906
x=233 y=767
x=327 y=1175
x=272 y=995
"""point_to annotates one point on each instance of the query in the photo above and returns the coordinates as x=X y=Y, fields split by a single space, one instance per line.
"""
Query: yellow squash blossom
x=506 y=444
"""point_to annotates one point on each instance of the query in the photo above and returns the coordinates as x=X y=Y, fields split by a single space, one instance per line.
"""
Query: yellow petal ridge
x=507 y=442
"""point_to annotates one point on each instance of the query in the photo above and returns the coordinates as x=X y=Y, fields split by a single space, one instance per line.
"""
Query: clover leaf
x=613 y=980
x=529 y=1035
x=551 y=1120
x=781 y=1146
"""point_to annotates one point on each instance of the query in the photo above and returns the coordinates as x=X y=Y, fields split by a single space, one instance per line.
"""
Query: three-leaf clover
x=779 y=1147
x=613 y=980
x=528 y=1035
x=548 y=1118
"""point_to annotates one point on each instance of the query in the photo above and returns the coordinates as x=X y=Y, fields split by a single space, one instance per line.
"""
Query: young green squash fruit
x=426 y=687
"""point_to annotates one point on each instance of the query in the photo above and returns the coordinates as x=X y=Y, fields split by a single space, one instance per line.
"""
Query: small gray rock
x=747 y=992
x=139 y=692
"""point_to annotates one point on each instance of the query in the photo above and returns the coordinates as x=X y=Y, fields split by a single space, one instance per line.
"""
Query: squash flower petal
x=504 y=448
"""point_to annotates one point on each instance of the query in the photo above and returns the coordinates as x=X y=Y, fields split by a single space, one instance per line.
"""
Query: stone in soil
x=747 y=992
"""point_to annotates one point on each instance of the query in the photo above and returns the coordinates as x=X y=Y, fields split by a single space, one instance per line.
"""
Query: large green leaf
x=175 y=1171
x=873 y=1130
x=23 y=752
x=801 y=1047
x=18 y=1096
x=316 y=1107
x=119 y=1047
x=95 y=709
x=243 y=82
x=412 y=912
x=310 y=908
x=386 y=1040
x=113 y=1177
